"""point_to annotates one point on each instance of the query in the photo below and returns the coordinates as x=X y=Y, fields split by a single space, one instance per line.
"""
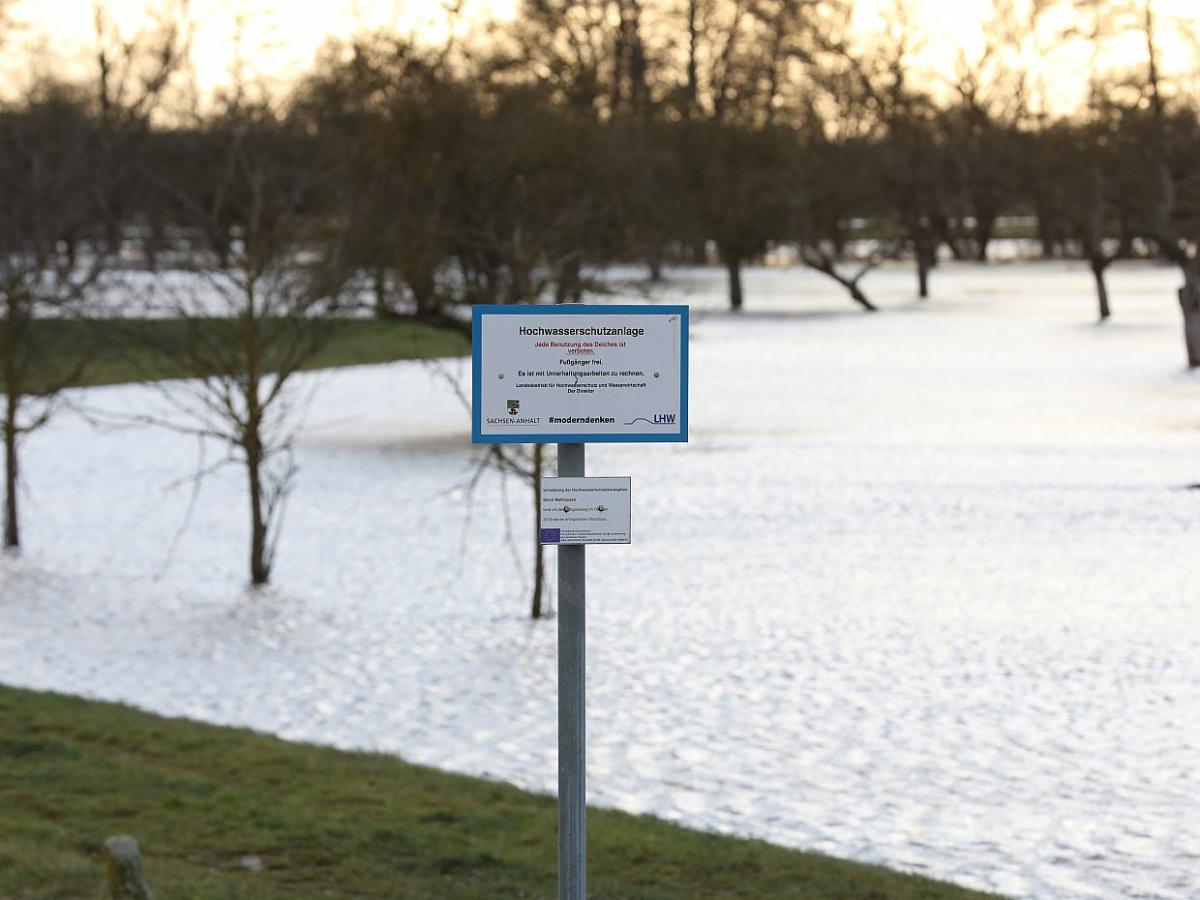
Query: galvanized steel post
x=572 y=756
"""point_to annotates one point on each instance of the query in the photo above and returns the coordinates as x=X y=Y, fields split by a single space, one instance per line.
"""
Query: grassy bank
x=114 y=352
x=330 y=824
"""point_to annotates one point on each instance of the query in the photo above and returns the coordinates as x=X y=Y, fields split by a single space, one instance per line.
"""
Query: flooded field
x=922 y=589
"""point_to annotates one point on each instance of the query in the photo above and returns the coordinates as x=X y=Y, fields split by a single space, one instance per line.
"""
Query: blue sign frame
x=574 y=309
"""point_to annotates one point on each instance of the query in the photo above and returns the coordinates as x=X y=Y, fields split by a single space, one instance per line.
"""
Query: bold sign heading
x=578 y=374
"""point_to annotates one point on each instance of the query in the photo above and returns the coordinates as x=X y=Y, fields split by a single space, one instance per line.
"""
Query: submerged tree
x=1173 y=141
x=839 y=183
x=739 y=98
x=391 y=119
x=1158 y=125
x=66 y=156
x=265 y=285
x=50 y=258
x=743 y=188
x=1176 y=218
x=528 y=464
x=911 y=156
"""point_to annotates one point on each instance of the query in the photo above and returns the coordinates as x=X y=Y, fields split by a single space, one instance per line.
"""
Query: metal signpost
x=572 y=375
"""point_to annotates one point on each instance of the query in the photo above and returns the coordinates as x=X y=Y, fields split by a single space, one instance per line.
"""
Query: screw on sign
x=575 y=374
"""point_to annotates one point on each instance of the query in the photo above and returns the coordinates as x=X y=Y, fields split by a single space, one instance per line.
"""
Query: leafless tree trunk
x=12 y=535
x=1189 y=303
x=1177 y=233
x=654 y=264
x=985 y=228
x=1098 y=269
x=260 y=566
x=693 y=48
x=252 y=444
x=568 y=282
x=825 y=263
x=48 y=151
x=733 y=265
x=925 y=250
x=379 y=286
x=13 y=390
x=527 y=465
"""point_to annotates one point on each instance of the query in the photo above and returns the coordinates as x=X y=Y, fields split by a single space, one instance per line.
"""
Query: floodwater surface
x=922 y=589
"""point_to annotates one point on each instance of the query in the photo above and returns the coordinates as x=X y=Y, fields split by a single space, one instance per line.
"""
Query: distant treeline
x=597 y=131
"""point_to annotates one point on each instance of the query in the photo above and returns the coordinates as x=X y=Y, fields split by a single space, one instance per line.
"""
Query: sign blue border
x=574 y=309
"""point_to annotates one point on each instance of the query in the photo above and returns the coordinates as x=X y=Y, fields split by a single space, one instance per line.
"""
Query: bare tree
x=133 y=71
x=390 y=116
x=821 y=256
x=1159 y=124
x=259 y=303
x=840 y=182
x=596 y=57
x=879 y=77
x=741 y=100
x=1088 y=170
x=1090 y=210
x=50 y=147
x=1174 y=145
x=529 y=465
x=66 y=159
x=979 y=129
x=1176 y=221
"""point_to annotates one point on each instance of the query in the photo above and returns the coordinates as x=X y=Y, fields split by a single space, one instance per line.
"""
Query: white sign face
x=574 y=374
x=584 y=511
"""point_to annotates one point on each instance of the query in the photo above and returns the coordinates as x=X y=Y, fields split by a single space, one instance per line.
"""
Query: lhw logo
x=659 y=419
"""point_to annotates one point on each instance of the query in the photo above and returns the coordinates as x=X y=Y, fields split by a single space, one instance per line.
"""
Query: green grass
x=332 y=824
x=116 y=352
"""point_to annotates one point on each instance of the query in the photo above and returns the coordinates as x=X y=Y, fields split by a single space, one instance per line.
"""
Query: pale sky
x=280 y=37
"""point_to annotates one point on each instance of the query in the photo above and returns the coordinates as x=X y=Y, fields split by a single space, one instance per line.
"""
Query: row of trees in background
x=413 y=179
x=594 y=131
x=617 y=130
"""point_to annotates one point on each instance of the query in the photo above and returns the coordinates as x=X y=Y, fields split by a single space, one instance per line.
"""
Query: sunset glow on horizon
x=279 y=41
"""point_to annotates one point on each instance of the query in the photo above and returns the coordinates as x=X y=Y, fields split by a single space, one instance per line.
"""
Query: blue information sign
x=579 y=373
